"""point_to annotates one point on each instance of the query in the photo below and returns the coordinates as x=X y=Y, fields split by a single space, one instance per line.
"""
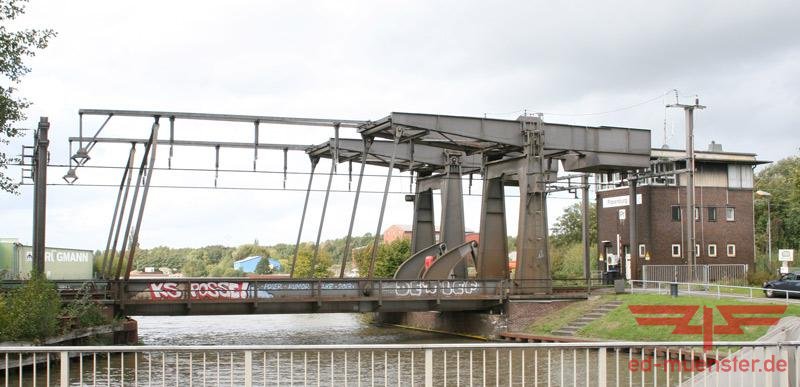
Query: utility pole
x=690 y=240
x=585 y=229
x=40 y=157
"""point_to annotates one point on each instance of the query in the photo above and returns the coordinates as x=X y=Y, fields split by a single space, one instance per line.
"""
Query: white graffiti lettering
x=444 y=288
x=199 y=290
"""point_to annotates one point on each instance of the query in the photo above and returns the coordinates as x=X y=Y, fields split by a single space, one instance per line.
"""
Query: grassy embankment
x=620 y=324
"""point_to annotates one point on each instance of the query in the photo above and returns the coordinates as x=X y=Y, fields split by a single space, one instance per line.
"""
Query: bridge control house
x=723 y=214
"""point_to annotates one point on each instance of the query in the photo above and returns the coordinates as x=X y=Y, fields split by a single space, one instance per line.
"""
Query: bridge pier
x=512 y=316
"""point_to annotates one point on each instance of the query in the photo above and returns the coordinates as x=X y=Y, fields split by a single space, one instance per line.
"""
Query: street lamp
x=767 y=195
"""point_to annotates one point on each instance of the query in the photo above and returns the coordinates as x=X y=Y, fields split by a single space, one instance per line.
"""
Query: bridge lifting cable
x=314 y=161
x=396 y=140
x=334 y=160
x=366 y=144
x=119 y=212
x=146 y=166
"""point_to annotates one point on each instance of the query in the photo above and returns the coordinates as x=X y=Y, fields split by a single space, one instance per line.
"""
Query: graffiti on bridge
x=199 y=290
x=240 y=290
x=444 y=288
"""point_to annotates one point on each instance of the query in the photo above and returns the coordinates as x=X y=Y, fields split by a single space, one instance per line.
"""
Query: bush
x=758 y=277
x=85 y=311
x=31 y=311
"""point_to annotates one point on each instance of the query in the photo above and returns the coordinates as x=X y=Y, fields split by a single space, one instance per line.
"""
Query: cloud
x=362 y=60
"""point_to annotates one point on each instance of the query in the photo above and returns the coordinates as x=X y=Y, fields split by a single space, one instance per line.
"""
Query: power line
x=662 y=95
x=239 y=188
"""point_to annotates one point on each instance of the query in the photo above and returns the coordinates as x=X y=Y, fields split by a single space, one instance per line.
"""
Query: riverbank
x=620 y=323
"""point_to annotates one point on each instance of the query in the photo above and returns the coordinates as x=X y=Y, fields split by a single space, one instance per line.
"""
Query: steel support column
x=452 y=222
x=493 y=247
x=633 y=244
x=314 y=161
x=587 y=268
x=349 y=240
x=41 y=157
x=423 y=231
x=532 y=274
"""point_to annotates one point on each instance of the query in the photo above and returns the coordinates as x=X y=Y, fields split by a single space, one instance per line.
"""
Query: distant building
x=723 y=213
x=16 y=261
x=395 y=232
x=248 y=265
x=403 y=231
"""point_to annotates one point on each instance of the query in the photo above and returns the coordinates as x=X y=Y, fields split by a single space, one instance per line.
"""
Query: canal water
x=366 y=367
x=338 y=328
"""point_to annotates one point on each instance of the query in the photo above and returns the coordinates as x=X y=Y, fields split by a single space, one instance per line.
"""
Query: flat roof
x=722 y=157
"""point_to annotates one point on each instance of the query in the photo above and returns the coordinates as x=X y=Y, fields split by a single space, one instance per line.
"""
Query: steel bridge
x=440 y=150
x=236 y=295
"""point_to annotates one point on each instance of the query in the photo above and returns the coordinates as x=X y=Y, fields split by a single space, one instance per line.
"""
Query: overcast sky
x=362 y=60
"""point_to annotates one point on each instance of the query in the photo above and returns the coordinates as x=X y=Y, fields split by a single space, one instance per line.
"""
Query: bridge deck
x=213 y=296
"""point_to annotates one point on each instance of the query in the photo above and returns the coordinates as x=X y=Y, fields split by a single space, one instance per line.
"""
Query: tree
x=263 y=266
x=568 y=227
x=389 y=257
x=303 y=267
x=194 y=267
x=14 y=47
x=782 y=181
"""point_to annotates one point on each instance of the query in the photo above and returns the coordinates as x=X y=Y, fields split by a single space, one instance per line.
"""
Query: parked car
x=789 y=281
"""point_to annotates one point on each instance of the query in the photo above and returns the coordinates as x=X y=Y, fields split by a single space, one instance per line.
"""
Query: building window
x=731 y=250
x=712 y=214
x=730 y=214
x=676 y=213
x=696 y=250
x=676 y=251
x=642 y=250
x=712 y=250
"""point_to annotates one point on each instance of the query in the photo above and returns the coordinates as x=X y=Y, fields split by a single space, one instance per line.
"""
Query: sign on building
x=620 y=201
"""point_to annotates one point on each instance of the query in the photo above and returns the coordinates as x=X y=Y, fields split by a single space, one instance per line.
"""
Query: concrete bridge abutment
x=512 y=316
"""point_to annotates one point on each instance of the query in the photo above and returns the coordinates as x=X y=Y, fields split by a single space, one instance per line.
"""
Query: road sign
x=786 y=255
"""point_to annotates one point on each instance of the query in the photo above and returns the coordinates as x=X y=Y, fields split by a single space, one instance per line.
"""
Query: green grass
x=620 y=324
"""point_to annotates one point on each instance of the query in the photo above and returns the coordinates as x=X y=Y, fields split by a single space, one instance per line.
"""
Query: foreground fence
x=733 y=274
x=574 y=364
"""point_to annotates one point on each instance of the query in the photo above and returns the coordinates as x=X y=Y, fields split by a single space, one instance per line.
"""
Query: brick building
x=403 y=231
x=723 y=212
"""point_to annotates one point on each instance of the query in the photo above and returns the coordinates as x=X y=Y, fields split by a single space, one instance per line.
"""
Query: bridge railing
x=716 y=290
x=596 y=364
x=238 y=289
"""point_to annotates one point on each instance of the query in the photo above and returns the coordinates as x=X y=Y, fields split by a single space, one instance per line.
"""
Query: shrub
x=31 y=311
x=758 y=277
x=85 y=311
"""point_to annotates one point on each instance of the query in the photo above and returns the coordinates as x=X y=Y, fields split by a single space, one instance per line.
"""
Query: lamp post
x=767 y=196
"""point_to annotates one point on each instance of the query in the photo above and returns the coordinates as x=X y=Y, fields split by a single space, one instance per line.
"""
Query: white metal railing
x=717 y=290
x=708 y=273
x=577 y=364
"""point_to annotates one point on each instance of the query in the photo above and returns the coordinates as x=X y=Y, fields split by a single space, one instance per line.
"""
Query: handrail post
x=64 y=369
x=428 y=367
x=248 y=368
x=601 y=368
